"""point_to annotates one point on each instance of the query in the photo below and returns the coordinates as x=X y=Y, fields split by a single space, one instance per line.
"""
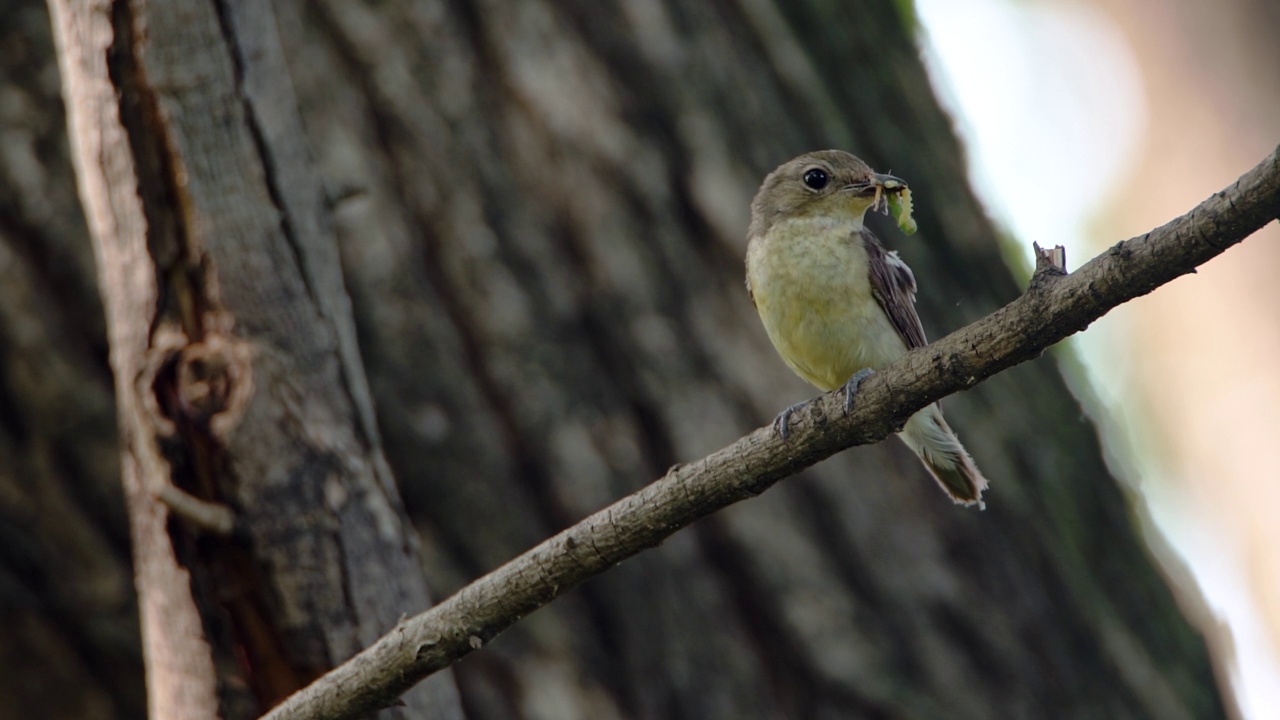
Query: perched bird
x=836 y=304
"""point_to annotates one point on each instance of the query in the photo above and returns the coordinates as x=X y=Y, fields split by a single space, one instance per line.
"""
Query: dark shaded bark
x=578 y=180
x=541 y=209
x=68 y=614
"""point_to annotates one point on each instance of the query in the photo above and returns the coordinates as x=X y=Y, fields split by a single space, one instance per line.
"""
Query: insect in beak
x=879 y=187
x=885 y=184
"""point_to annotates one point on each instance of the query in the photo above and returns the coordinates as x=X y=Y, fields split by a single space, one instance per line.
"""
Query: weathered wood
x=238 y=377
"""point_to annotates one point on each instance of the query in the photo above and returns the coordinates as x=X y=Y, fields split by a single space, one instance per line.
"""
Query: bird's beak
x=878 y=185
x=889 y=183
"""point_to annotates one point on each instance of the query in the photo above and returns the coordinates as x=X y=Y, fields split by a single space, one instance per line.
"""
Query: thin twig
x=1055 y=306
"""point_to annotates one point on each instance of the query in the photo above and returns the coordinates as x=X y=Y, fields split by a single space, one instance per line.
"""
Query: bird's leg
x=851 y=387
x=780 y=422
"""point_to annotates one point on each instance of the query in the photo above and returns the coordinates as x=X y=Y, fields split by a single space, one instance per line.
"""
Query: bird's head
x=830 y=184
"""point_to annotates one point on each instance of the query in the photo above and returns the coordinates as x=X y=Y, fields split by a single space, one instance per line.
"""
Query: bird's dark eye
x=816 y=178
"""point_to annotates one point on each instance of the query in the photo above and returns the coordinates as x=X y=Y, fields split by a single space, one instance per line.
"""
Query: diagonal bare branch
x=1055 y=306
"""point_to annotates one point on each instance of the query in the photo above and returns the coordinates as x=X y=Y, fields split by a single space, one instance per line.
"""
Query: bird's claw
x=851 y=387
x=780 y=422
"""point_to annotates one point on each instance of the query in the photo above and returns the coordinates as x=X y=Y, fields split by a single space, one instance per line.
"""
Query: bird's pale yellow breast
x=810 y=280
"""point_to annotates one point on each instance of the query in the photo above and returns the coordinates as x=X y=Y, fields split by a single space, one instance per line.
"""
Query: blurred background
x=541 y=209
x=1091 y=121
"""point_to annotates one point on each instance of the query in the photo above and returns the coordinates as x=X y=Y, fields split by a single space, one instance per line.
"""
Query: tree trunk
x=541 y=211
x=239 y=387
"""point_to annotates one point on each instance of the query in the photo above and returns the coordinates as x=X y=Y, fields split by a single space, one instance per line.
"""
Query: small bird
x=836 y=304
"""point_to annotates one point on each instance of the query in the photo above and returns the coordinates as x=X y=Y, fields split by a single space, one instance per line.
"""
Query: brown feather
x=894 y=288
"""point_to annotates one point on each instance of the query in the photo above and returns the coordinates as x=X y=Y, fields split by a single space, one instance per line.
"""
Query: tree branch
x=1055 y=306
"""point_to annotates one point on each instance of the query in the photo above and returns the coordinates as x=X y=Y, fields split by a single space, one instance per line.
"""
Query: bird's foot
x=851 y=387
x=780 y=422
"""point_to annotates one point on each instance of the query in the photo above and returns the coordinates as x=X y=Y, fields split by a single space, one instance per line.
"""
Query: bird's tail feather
x=929 y=436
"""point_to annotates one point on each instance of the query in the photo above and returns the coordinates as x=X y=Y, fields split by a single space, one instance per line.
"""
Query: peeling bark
x=238 y=380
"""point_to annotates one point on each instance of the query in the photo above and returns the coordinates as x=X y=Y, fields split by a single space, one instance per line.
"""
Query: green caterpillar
x=900 y=206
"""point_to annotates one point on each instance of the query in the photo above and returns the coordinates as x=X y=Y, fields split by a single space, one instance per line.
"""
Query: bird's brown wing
x=895 y=289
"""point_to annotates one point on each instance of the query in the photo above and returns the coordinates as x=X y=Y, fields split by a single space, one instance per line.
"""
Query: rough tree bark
x=240 y=393
x=541 y=209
